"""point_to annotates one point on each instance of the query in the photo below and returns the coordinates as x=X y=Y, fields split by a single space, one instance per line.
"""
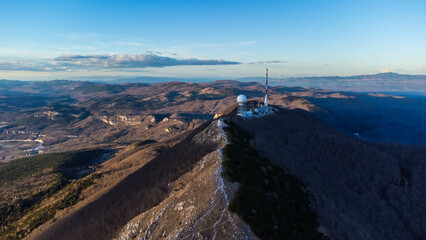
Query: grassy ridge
x=273 y=203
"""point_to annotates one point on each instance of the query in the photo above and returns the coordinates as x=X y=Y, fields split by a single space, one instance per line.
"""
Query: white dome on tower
x=241 y=99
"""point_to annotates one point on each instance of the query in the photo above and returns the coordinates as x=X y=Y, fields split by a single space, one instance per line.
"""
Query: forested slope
x=361 y=190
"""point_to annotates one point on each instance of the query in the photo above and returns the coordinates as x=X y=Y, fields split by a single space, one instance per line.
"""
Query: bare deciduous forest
x=361 y=190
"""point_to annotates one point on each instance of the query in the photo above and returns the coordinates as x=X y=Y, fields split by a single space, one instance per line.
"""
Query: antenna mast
x=266 y=90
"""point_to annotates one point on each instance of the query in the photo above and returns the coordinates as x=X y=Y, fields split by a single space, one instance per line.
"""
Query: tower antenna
x=266 y=90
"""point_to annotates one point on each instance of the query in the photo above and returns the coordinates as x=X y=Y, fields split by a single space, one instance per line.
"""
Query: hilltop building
x=248 y=109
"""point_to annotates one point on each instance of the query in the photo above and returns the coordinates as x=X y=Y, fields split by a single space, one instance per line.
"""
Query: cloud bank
x=108 y=61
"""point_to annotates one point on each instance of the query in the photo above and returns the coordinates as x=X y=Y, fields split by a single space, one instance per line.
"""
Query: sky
x=42 y=40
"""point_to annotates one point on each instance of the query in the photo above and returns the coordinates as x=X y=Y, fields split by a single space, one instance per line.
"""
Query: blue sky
x=209 y=39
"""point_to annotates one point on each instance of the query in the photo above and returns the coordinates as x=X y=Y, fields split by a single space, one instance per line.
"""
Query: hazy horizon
x=386 y=83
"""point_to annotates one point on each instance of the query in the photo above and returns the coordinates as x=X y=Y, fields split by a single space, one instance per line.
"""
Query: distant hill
x=391 y=83
x=149 y=79
x=403 y=84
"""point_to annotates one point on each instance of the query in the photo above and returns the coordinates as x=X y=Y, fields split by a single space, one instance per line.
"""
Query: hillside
x=360 y=190
x=286 y=174
x=186 y=193
x=35 y=188
x=136 y=193
x=196 y=206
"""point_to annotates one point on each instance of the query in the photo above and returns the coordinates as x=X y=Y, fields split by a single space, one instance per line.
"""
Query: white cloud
x=107 y=61
x=248 y=42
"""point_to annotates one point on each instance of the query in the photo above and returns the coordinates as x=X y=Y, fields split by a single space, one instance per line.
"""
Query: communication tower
x=266 y=90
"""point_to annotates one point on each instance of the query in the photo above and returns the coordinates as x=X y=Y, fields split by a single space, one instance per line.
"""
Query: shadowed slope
x=361 y=190
x=140 y=191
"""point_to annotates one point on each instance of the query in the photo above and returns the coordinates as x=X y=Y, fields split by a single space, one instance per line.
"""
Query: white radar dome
x=241 y=99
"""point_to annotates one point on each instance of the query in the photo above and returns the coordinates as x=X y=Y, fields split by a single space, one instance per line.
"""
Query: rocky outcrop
x=121 y=119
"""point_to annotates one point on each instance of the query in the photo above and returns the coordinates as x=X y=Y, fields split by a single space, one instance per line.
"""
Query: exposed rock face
x=121 y=119
x=197 y=208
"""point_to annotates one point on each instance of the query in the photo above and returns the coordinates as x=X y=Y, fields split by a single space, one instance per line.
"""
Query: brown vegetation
x=136 y=193
x=126 y=161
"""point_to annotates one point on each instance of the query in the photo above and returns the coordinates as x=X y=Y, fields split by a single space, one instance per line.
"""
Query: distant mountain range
x=402 y=84
x=388 y=83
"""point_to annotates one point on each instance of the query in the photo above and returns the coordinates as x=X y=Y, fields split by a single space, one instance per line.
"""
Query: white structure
x=241 y=100
x=254 y=109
